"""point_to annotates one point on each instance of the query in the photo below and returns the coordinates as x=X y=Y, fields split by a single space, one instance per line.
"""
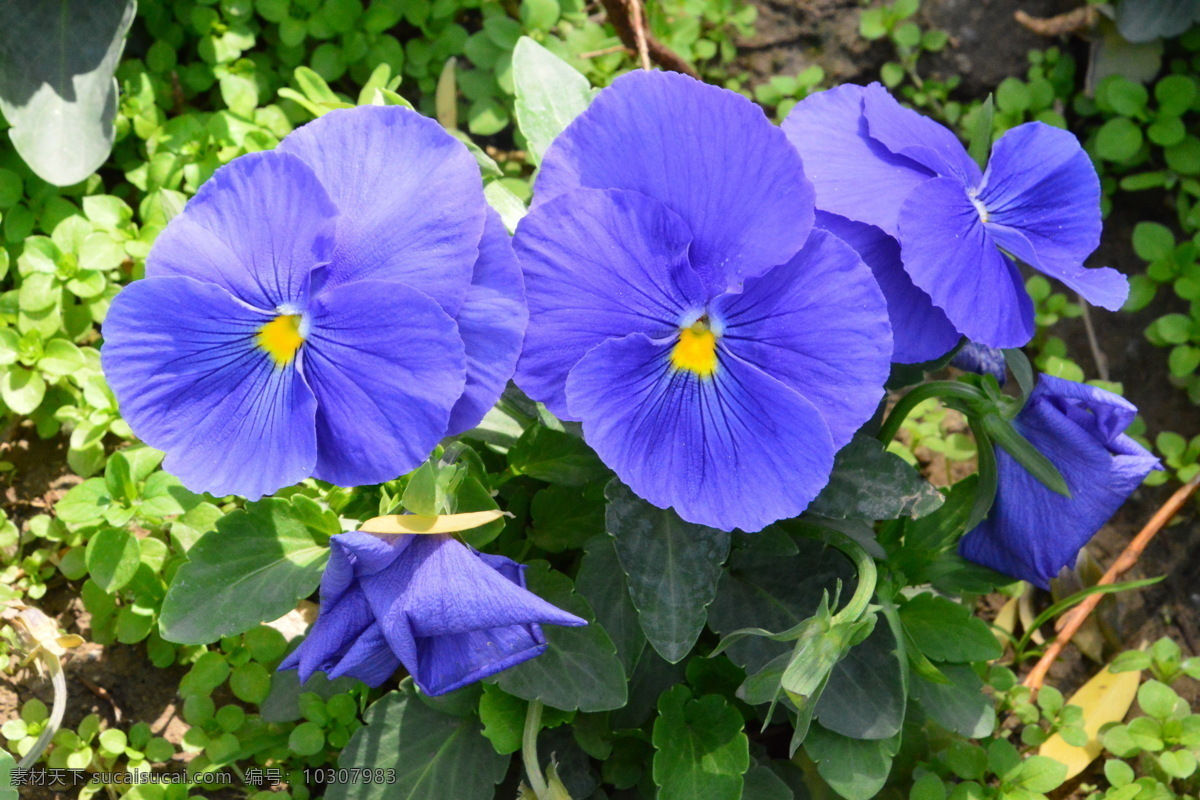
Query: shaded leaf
x=702 y=752
x=870 y=483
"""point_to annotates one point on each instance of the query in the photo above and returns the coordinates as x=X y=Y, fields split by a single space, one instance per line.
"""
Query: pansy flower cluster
x=717 y=300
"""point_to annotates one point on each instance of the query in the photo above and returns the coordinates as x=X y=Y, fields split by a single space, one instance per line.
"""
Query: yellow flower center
x=696 y=350
x=281 y=338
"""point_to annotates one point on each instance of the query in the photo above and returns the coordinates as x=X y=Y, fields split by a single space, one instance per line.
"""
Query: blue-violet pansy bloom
x=716 y=348
x=1032 y=532
x=332 y=309
x=873 y=161
x=448 y=614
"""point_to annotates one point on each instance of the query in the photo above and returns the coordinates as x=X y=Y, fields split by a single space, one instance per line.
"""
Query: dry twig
x=1078 y=21
x=1128 y=558
x=627 y=18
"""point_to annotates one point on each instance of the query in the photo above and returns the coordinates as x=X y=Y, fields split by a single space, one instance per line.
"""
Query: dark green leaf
x=1033 y=460
x=761 y=783
x=672 y=568
x=283 y=702
x=580 y=669
x=564 y=517
x=865 y=695
x=254 y=567
x=856 y=768
x=435 y=755
x=602 y=583
x=555 y=457
x=961 y=705
x=702 y=752
x=947 y=631
x=870 y=483
x=774 y=583
x=57 y=88
x=113 y=557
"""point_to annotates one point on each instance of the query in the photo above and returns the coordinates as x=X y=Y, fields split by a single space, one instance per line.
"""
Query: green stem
x=533 y=769
x=54 y=668
x=905 y=405
x=868 y=575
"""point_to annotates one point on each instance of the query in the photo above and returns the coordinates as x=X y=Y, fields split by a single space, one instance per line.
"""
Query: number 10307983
x=352 y=775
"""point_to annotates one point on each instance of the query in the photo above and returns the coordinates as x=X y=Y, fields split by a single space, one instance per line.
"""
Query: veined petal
x=183 y=360
x=492 y=323
x=708 y=154
x=340 y=623
x=908 y=133
x=920 y=330
x=948 y=253
x=453 y=618
x=1032 y=532
x=257 y=228
x=1042 y=197
x=386 y=365
x=598 y=264
x=409 y=195
x=819 y=324
x=738 y=449
x=854 y=175
x=446 y=663
x=1101 y=413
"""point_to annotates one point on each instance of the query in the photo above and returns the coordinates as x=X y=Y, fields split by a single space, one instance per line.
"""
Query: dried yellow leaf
x=1105 y=698
x=423 y=523
x=1006 y=622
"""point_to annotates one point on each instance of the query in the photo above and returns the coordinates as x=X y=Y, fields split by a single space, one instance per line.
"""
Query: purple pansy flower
x=332 y=308
x=873 y=161
x=1033 y=532
x=717 y=354
x=983 y=360
x=446 y=613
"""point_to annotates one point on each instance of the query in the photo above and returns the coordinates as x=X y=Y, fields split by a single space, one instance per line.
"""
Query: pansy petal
x=853 y=175
x=1032 y=532
x=369 y=658
x=908 y=133
x=340 y=622
x=446 y=663
x=819 y=324
x=1101 y=413
x=920 y=330
x=709 y=154
x=492 y=323
x=982 y=360
x=739 y=449
x=257 y=228
x=409 y=195
x=950 y=255
x=182 y=358
x=1042 y=197
x=449 y=590
x=386 y=365
x=598 y=264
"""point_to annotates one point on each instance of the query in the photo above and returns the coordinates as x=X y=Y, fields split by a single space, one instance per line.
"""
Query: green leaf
x=865 y=695
x=1158 y=700
x=22 y=390
x=57 y=89
x=503 y=718
x=550 y=93
x=254 y=567
x=602 y=582
x=60 y=357
x=505 y=203
x=701 y=751
x=1039 y=774
x=113 y=557
x=856 y=768
x=981 y=131
x=555 y=457
x=1002 y=432
x=870 y=483
x=1119 y=139
x=763 y=588
x=84 y=503
x=435 y=755
x=580 y=669
x=672 y=568
x=947 y=631
x=566 y=517
x=961 y=705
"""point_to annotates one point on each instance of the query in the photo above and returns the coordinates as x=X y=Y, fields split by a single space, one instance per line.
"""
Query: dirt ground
x=986 y=46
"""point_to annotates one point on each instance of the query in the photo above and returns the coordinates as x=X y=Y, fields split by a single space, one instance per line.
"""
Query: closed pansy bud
x=1032 y=532
x=446 y=613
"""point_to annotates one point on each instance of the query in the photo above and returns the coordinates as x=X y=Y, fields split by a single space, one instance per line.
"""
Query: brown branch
x=1077 y=21
x=1128 y=558
x=626 y=19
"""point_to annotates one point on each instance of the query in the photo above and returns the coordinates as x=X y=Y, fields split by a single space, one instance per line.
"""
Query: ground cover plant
x=475 y=400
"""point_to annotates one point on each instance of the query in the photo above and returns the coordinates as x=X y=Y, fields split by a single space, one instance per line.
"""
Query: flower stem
x=533 y=768
x=868 y=575
x=905 y=405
